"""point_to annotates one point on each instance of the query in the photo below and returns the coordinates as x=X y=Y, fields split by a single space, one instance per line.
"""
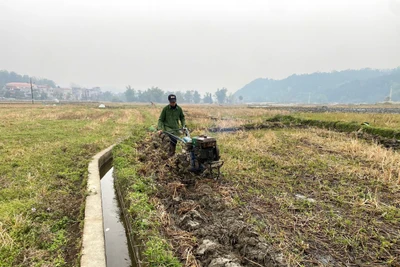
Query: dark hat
x=172 y=98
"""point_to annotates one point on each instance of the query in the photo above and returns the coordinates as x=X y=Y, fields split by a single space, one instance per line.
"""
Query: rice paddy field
x=287 y=196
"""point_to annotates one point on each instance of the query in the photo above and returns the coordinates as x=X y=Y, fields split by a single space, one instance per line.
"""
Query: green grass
x=138 y=195
x=44 y=154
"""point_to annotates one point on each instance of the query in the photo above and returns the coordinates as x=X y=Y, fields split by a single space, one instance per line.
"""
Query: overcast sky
x=194 y=44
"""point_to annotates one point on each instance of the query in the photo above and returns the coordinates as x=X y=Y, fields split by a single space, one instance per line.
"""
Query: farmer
x=169 y=121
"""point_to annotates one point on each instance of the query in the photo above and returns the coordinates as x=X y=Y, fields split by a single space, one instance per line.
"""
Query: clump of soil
x=198 y=212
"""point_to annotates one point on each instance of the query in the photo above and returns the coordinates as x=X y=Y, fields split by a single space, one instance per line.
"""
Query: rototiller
x=199 y=153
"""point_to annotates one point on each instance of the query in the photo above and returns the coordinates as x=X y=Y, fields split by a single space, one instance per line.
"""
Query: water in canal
x=117 y=250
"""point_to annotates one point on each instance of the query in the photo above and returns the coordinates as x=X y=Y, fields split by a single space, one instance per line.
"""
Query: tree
x=43 y=96
x=230 y=99
x=189 y=96
x=19 y=94
x=36 y=95
x=153 y=94
x=130 y=94
x=8 y=77
x=58 y=95
x=2 y=92
x=106 y=96
x=395 y=91
x=208 y=98
x=68 y=96
x=115 y=99
x=166 y=94
x=42 y=81
x=140 y=96
x=221 y=95
x=8 y=94
x=196 y=97
x=180 y=98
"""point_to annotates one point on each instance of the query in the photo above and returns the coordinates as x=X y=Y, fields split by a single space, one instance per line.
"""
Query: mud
x=198 y=210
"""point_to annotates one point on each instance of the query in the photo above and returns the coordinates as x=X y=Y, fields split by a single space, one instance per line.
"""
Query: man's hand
x=159 y=132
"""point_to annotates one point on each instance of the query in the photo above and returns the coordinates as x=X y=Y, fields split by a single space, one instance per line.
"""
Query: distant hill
x=348 y=86
x=9 y=77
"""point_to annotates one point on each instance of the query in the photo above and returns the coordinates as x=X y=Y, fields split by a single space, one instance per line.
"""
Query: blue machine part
x=187 y=139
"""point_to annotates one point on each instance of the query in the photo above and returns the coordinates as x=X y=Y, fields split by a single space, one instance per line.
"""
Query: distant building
x=91 y=94
x=63 y=93
x=20 y=89
x=77 y=93
x=46 y=89
x=20 y=86
x=11 y=86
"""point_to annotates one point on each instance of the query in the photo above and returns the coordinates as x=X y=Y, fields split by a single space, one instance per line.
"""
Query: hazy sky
x=194 y=44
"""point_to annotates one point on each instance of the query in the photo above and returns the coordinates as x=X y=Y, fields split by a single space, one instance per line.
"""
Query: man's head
x=172 y=100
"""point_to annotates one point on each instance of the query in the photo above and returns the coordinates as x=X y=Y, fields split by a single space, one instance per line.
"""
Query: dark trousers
x=172 y=146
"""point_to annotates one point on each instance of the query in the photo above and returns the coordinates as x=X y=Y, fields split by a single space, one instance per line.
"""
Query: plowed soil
x=204 y=227
x=291 y=197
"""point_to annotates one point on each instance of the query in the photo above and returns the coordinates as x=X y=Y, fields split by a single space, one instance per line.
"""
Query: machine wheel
x=216 y=156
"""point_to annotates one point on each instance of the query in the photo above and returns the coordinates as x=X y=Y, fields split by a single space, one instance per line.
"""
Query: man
x=169 y=121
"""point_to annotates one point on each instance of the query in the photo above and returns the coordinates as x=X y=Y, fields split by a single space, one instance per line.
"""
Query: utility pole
x=31 y=89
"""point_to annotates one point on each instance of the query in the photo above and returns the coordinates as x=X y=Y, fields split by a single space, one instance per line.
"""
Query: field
x=44 y=153
x=288 y=196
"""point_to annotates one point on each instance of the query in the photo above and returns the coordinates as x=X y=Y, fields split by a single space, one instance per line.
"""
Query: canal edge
x=93 y=241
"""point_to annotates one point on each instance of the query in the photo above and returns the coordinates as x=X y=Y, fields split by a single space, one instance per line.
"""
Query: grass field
x=308 y=197
x=44 y=152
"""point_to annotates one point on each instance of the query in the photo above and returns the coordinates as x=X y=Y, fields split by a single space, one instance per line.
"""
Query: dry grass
x=384 y=164
x=5 y=238
x=317 y=195
x=391 y=121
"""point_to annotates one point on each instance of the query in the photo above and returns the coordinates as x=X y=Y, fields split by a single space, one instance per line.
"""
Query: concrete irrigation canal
x=107 y=241
x=117 y=251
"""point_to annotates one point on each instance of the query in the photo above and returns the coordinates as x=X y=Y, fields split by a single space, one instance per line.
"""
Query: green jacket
x=169 y=119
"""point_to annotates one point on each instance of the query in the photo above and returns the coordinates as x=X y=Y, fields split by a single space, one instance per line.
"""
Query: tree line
x=8 y=77
x=153 y=94
x=157 y=95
